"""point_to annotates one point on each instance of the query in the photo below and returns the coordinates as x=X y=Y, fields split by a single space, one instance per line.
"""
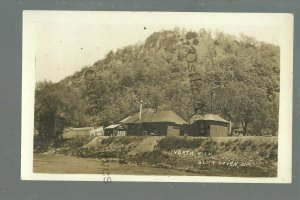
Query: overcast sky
x=67 y=41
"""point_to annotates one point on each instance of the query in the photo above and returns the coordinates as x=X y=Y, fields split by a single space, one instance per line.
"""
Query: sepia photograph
x=157 y=96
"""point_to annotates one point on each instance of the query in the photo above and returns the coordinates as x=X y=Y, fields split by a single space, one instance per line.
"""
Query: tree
x=243 y=75
x=56 y=107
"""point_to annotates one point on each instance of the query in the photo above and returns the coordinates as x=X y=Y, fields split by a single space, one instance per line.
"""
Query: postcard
x=157 y=96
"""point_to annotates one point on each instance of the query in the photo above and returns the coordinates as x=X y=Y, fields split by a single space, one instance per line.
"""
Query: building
x=115 y=130
x=208 y=126
x=130 y=123
x=150 y=122
x=99 y=131
x=77 y=132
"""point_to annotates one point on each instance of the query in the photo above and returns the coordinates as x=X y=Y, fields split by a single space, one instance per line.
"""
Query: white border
x=285 y=24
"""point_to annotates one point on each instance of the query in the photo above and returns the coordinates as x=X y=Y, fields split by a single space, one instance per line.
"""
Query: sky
x=67 y=41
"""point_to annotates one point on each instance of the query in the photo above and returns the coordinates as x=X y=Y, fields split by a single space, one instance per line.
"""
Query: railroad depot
x=158 y=123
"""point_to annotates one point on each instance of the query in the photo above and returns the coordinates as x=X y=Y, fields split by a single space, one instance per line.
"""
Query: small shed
x=99 y=131
x=115 y=130
x=77 y=132
x=209 y=125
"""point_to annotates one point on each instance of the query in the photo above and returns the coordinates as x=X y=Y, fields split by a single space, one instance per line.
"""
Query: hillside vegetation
x=240 y=72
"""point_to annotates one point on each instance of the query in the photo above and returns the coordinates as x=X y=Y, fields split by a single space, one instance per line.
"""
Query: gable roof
x=149 y=115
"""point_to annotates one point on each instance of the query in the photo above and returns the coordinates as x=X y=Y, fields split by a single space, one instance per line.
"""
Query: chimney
x=141 y=107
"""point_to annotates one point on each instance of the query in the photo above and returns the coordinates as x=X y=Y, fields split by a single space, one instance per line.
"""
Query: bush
x=40 y=146
x=121 y=140
x=253 y=146
x=125 y=140
x=273 y=155
x=191 y=35
x=171 y=143
x=75 y=143
x=128 y=139
x=153 y=157
x=275 y=146
x=229 y=144
x=222 y=143
x=195 y=42
x=209 y=145
x=245 y=144
x=108 y=141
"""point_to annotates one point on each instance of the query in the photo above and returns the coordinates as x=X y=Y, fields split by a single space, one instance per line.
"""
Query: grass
x=171 y=143
x=121 y=140
x=261 y=151
x=59 y=164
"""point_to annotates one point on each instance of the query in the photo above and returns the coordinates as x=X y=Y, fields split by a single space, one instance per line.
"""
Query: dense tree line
x=239 y=74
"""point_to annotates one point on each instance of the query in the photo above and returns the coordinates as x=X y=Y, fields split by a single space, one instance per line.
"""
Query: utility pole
x=211 y=101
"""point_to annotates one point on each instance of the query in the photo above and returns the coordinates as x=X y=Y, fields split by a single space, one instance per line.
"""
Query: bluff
x=240 y=74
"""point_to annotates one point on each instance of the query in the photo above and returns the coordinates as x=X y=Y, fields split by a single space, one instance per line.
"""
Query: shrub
x=125 y=140
x=275 y=146
x=153 y=157
x=121 y=140
x=268 y=145
x=195 y=42
x=209 y=145
x=171 y=143
x=245 y=144
x=190 y=35
x=222 y=143
x=109 y=140
x=229 y=144
x=253 y=146
x=273 y=155
x=40 y=145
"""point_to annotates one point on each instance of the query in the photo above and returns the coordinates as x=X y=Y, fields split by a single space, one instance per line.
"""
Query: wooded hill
x=240 y=72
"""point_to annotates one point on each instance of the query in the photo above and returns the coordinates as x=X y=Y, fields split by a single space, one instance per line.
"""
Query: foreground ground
x=228 y=156
x=60 y=164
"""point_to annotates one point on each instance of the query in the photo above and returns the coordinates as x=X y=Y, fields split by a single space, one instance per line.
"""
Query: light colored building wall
x=218 y=131
x=173 y=131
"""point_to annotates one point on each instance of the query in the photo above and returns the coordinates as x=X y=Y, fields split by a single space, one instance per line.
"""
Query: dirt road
x=59 y=164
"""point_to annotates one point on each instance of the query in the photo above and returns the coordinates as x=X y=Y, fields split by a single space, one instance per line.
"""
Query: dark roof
x=211 y=117
x=166 y=116
x=208 y=117
x=149 y=115
x=196 y=118
x=133 y=119
x=125 y=119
